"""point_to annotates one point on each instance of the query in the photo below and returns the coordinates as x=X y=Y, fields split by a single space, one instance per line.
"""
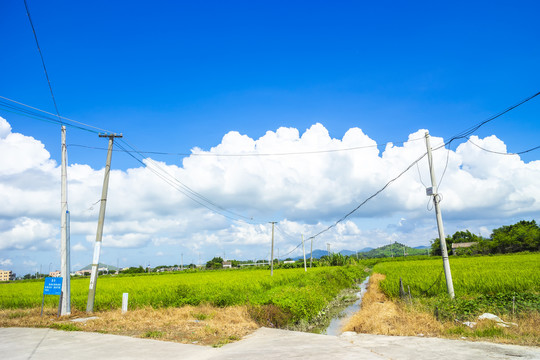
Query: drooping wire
x=463 y=134
x=170 y=179
x=501 y=153
x=420 y=175
x=206 y=154
x=42 y=59
x=445 y=167
x=466 y=133
x=369 y=198
x=290 y=237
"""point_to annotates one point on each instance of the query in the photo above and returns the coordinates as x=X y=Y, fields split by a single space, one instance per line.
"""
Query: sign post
x=52 y=286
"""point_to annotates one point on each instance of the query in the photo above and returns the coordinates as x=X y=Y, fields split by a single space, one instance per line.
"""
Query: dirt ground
x=205 y=325
x=381 y=316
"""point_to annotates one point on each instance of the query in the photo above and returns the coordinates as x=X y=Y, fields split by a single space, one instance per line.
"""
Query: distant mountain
x=366 y=249
x=100 y=265
x=317 y=254
x=421 y=247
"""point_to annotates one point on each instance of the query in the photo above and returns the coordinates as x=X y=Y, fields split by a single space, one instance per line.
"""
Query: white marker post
x=124 y=303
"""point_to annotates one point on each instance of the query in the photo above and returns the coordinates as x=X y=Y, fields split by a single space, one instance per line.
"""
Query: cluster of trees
x=522 y=236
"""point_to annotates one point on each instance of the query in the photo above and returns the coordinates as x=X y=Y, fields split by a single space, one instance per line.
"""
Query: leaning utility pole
x=101 y=220
x=436 y=200
x=272 y=251
x=65 y=267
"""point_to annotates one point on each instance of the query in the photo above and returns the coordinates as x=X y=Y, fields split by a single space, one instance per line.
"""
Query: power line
x=369 y=198
x=186 y=190
x=463 y=134
x=41 y=56
x=502 y=153
x=23 y=110
x=466 y=133
x=83 y=126
x=247 y=154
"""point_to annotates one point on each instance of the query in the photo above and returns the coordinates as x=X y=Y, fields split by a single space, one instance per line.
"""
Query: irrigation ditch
x=337 y=313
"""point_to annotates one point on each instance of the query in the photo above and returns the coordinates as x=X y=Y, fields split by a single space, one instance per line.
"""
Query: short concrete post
x=124 y=303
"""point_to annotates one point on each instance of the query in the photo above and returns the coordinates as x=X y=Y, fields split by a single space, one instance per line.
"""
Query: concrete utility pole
x=65 y=267
x=101 y=220
x=311 y=254
x=436 y=200
x=272 y=251
x=328 y=249
x=304 y=250
x=182 y=262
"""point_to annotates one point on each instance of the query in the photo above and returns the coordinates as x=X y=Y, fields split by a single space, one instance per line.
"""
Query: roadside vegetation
x=505 y=285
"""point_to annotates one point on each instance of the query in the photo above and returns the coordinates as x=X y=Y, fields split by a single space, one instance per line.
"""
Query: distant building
x=227 y=264
x=54 y=273
x=7 y=275
x=83 y=272
x=462 y=245
x=289 y=262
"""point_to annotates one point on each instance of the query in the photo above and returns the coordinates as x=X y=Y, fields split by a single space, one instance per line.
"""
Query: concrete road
x=25 y=343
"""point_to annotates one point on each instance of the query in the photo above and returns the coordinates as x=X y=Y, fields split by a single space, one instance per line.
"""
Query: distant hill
x=101 y=265
x=395 y=250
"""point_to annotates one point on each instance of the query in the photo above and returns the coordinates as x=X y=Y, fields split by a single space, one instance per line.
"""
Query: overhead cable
x=42 y=60
x=170 y=179
x=503 y=153
x=23 y=109
x=464 y=134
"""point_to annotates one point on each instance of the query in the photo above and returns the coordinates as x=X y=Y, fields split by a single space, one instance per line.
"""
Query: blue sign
x=53 y=286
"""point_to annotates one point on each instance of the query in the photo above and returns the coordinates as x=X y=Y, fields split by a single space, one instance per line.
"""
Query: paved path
x=26 y=343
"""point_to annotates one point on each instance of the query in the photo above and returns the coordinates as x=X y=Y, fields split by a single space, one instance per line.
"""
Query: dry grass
x=205 y=325
x=379 y=315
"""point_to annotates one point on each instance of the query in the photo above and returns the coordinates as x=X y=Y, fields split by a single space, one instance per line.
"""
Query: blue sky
x=172 y=76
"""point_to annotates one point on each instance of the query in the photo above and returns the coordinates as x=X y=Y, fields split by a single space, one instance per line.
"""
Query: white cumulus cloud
x=282 y=176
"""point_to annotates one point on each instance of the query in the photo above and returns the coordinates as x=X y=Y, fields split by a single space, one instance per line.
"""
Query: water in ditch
x=337 y=323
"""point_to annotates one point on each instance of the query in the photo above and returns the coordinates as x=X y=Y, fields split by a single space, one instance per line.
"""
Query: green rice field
x=301 y=294
x=498 y=284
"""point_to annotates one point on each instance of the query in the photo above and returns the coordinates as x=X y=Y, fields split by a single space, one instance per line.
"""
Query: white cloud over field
x=303 y=192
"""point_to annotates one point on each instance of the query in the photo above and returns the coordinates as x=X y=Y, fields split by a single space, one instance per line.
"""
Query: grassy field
x=295 y=294
x=498 y=284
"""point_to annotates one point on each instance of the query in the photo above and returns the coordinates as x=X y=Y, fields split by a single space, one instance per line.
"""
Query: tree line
x=521 y=236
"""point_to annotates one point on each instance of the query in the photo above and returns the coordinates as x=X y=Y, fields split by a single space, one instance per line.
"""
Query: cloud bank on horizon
x=303 y=192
